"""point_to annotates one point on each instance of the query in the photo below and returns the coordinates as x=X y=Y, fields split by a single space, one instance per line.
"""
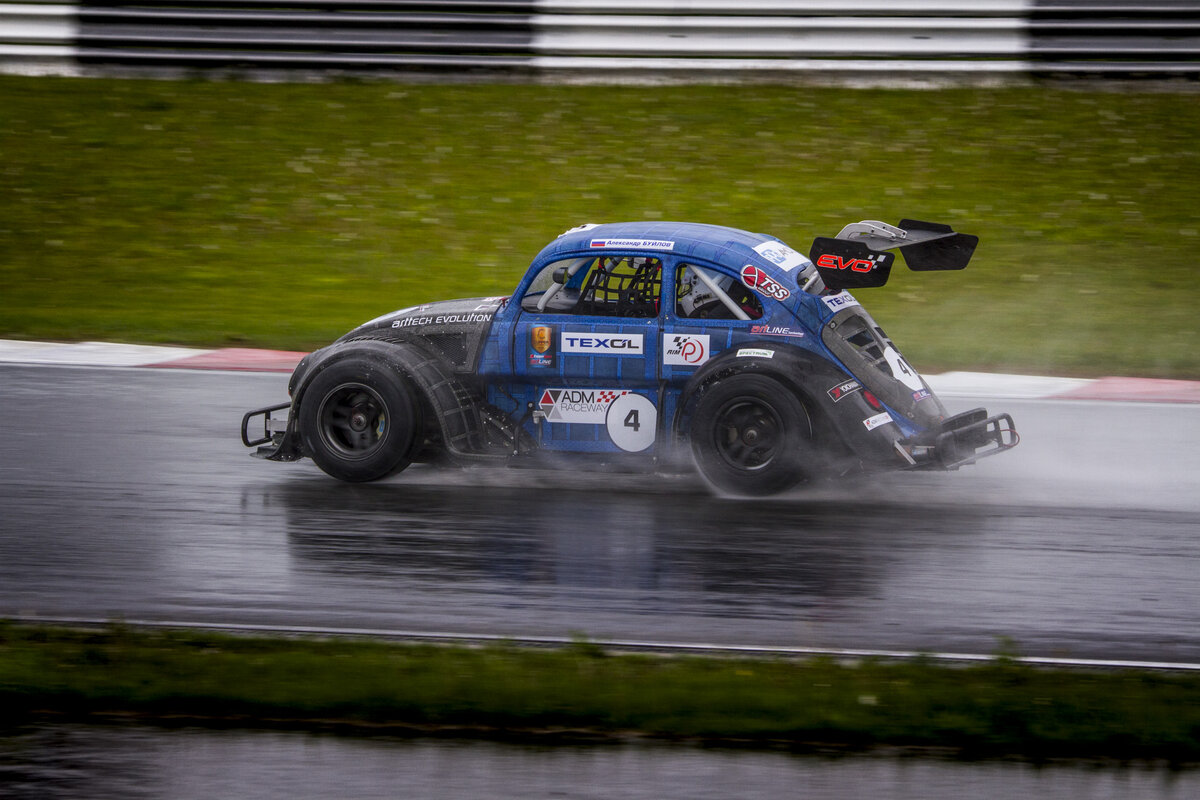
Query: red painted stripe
x=239 y=358
x=1138 y=390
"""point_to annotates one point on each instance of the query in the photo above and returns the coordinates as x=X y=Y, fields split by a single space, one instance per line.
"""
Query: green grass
x=998 y=709
x=281 y=215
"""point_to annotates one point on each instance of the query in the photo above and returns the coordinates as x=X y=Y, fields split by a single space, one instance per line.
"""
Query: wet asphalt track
x=126 y=493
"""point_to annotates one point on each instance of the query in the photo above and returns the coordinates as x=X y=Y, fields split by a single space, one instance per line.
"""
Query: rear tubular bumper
x=960 y=440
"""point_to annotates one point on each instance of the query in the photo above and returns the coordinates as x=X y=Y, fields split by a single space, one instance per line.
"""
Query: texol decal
x=781 y=255
x=763 y=283
x=601 y=344
x=541 y=346
x=842 y=389
x=754 y=352
x=836 y=302
x=879 y=419
x=774 y=330
x=685 y=349
x=634 y=244
x=578 y=406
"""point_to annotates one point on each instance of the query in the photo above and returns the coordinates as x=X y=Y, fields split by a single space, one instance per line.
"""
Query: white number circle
x=632 y=422
x=901 y=370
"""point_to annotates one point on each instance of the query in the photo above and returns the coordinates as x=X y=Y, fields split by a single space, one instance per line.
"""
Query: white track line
x=623 y=644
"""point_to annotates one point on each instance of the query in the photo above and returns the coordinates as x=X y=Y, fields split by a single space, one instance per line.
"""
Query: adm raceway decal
x=631 y=419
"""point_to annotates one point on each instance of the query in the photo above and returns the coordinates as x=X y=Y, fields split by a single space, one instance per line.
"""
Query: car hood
x=453 y=328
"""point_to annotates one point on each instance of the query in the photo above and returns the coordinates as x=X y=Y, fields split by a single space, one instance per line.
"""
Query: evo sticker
x=901 y=370
x=578 y=406
x=781 y=255
x=764 y=284
x=633 y=244
x=685 y=350
x=836 y=302
x=601 y=344
x=754 y=352
x=632 y=422
x=879 y=419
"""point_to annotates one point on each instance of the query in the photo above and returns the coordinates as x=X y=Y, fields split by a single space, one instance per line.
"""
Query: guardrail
x=692 y=39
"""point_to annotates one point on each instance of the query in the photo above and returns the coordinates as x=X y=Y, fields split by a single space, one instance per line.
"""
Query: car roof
x=715 y=243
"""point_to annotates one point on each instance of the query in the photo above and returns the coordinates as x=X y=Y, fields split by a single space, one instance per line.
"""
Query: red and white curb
x=243 y=359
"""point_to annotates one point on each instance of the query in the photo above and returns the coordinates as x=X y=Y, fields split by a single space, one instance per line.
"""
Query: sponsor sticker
x=921 y=394
x=441 y=319
x=579 y=229
x=755 y=352
x=781 y=255
x=764 y=284
x=578 y=406
x=836 y=302
x=879 y=419
x=774 y=330
x=634 y=244
x=842 y=389
x=685 y=350
x=541 y=346
x=601 y=344
x=831 y=261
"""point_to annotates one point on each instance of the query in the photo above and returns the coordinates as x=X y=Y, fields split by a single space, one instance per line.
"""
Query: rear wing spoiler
x=860 y=256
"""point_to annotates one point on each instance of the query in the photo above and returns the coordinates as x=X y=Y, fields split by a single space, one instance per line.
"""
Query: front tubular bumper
x=960 y=440
x=278 y=439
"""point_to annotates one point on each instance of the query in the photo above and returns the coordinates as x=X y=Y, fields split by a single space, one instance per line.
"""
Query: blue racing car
x=663 y=343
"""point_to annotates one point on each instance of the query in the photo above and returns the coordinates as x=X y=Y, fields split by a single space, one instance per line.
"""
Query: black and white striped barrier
x=602 y=39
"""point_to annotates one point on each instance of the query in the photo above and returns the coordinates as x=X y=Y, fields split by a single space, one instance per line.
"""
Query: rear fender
x=837 y=416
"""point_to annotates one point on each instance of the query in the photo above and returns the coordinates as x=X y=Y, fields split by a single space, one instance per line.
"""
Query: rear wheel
x=751 y=435
x=359 y=420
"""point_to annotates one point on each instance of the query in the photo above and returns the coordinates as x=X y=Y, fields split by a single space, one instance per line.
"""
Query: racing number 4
x=631 y=421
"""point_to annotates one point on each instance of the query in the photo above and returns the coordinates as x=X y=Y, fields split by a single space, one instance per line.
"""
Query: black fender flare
x=453 y=406
x=806 y=374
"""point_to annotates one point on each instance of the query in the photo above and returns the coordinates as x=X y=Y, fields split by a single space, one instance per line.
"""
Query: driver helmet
x=694 y=293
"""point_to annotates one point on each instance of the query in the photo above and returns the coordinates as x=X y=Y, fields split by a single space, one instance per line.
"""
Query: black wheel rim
x=747 y=434
x=353 y=421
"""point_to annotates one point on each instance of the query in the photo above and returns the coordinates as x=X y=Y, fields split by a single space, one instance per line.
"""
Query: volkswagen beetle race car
x=660 y=342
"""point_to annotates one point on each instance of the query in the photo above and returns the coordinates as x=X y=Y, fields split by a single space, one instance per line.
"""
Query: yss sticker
x=763 y=283
x=632 y=422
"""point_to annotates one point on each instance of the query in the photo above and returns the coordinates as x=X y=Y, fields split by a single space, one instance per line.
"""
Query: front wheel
x=359 y=420
x=751 y=435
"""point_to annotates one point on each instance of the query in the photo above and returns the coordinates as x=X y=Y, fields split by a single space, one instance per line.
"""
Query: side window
x=703 y=293
x=605 y=286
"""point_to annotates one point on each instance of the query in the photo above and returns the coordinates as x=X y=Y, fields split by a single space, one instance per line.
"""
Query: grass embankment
x=1001 y=708
x=282 y=215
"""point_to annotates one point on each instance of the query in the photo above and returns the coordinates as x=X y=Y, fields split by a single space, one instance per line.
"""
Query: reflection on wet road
x=126 y=493
x=129 y=763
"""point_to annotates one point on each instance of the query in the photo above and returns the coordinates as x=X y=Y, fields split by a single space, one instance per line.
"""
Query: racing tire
x=751 y=435
x=359 y=420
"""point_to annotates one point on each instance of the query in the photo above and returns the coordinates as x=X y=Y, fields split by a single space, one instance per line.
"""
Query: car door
x=585 y=352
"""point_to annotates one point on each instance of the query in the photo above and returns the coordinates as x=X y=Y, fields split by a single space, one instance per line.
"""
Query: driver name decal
x=634 y=244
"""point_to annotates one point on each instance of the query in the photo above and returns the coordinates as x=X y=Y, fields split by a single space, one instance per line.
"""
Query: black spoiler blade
x=857 y=257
